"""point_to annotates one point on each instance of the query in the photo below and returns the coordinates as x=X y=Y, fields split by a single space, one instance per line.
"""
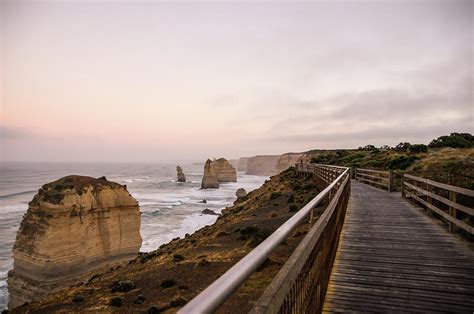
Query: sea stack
x=73 y=226
x=209 y=179
x=224 y=171
x=181 y=176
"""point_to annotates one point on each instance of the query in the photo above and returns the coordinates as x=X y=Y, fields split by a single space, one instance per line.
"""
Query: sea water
x=169 y=208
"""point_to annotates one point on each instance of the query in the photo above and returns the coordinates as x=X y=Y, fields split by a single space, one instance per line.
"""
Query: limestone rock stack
x=224 y=171
x=209 y=179
x=73 y=226
x=180 y=174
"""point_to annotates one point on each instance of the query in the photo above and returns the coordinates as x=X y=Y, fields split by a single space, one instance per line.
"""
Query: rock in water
x=224 y=171
x=181 y=176
x=240 y=193
x=207 y=211
x=73 y=226
x=209 y=179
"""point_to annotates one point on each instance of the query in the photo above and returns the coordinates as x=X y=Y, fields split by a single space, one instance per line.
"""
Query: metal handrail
x=220 y=290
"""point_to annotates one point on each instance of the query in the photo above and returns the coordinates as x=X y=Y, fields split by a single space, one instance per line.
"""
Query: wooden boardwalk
x=393 y=258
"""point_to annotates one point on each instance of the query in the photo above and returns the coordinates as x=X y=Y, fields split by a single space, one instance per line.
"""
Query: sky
x=147 y=80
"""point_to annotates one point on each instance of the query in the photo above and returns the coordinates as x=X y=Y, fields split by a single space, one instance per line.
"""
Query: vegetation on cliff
x=448 y=159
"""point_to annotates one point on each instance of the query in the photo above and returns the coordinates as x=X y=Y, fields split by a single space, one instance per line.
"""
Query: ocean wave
x=16 y=194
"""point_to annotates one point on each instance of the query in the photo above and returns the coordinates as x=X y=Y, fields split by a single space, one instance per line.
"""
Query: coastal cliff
x=270 y=164
x=165 y=279
x=224 y=170
x=287 y=160
x=264 y=165
x=73 y=226
x=242 y=164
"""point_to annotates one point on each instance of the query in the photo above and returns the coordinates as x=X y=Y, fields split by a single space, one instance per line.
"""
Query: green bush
x=179 y=301
x=254 y=234
x=78 y=298
x=401 y=162
x=168 y=283
x=122 y=286
x=454 y=140
x=291 y=199
x=275 y=195
x=140 y=299
x=418 y=148
x=116 y=301
x=178 y=257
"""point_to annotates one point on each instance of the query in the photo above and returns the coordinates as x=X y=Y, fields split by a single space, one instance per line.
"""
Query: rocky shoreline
x=166 y=278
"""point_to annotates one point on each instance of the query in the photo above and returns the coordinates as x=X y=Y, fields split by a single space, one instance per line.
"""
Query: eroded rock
x=209 y=179
x=72 y=226
x=180 y=174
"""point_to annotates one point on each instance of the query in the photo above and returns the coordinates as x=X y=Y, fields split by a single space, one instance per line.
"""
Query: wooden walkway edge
x=393 y=258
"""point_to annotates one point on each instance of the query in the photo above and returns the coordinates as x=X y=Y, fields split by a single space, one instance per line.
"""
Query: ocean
x=169 y=209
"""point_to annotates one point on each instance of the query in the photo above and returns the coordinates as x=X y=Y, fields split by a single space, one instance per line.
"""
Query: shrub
x=156 y=309
x=401 y=162
x=296 y=186
x=454 y=140
x=418 y=148
x=140 y=299
x=116 y=301
x=254 y=234
x=122 y=286
x=179 y=301
x=168 y=283
x=402 y=147
x=178 y=257
x=275 y=195
x=374 y=163
x=78 y=298
x=291 y=199
x=309 y=186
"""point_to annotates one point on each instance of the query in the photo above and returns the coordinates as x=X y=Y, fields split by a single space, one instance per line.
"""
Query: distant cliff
x=268 y=165
x=72 y=227
x=262 y=165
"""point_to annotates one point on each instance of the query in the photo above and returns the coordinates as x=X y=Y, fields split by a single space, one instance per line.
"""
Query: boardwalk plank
x=394 y=258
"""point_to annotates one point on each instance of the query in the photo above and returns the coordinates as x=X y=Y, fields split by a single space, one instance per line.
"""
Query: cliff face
x=224 y=171
x=287 y=160
x=262 y=165
x=72 y=227
x=209 y=179
x=243 y=164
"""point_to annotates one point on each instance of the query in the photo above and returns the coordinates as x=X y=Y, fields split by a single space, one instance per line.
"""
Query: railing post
x=429 y=199
x=452 y=211
x=403 y=186
x=390 y=181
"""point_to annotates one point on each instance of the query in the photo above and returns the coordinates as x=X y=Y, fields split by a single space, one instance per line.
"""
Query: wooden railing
x=443 y=199
x=380 y=179
x=301 y=284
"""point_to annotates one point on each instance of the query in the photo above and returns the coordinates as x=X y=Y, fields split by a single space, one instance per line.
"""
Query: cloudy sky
x=147 y=81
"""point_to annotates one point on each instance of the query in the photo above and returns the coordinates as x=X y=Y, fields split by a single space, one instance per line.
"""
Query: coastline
x=169 y=209
x=171 y=275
